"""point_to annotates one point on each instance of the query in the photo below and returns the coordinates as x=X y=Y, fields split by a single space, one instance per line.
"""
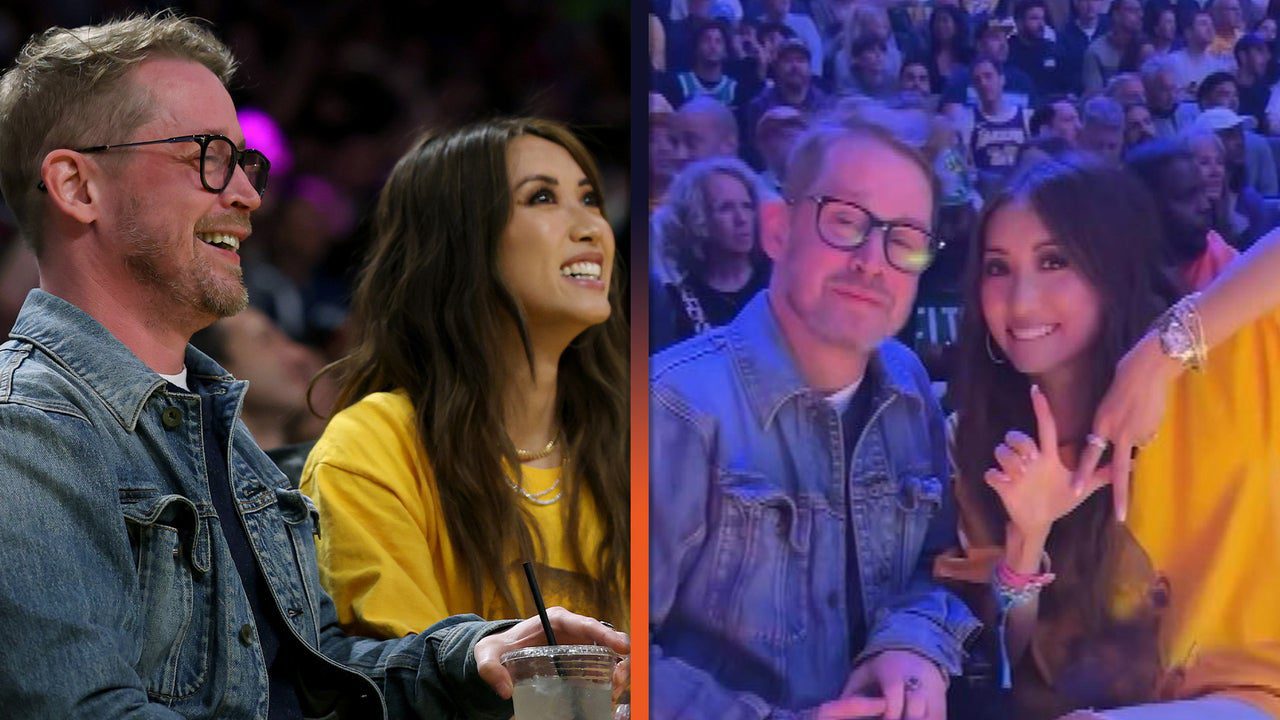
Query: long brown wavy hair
x=1107 y=225
x=432 y=313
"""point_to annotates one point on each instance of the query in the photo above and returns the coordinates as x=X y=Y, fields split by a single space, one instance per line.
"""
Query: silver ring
x=1097 y=441
x=913 y=684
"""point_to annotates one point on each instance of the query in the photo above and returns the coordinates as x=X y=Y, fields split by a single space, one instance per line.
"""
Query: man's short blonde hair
x=68 y=89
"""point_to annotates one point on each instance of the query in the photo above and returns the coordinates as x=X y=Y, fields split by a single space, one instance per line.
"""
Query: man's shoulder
x=29 y=378
x=691 y=359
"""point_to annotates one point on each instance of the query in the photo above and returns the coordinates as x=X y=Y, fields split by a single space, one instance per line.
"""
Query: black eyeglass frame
x=238 y=158
x=936 y=244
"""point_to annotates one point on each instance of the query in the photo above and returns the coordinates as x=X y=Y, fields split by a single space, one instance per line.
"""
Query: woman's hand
x=1031 y=480
x=1128 y=416
x=569 y=629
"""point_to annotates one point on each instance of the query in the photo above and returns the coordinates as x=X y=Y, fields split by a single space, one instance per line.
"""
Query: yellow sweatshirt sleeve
x=379 y=544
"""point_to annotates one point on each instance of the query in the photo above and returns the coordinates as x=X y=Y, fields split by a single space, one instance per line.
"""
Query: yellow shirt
x=1206 y=509
x=384 y=551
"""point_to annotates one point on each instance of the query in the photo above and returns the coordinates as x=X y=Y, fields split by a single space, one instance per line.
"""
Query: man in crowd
x=1247 y=151
x=1087 y=26
x=776 y=133
x=1126 y=89
x=994 y=130
x=781 y=447
x=870 y=77
x=1102 y=58
x=779 y=11
x=1103 y=129
x=1138 y=126
x=1194 y=62
x=708 y=129
x=708 y=76
x=1253 y=60
x=1165 y=98
x=153 y=562
x=1032 y=53
x=1228 y=28
x=1058 y=117
x=993 y=43
x=793 y=85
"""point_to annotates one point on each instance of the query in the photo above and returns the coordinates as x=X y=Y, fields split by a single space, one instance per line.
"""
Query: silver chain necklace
x=540 y=498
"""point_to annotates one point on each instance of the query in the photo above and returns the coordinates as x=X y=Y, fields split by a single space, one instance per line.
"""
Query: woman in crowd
x=949 y=45
x=1161 y=604
x=707 y=257
x=1239 y=214
x=483 y=413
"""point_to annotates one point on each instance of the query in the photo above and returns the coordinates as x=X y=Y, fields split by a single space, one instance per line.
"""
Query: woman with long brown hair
x=483 y=413
x=1162 y=605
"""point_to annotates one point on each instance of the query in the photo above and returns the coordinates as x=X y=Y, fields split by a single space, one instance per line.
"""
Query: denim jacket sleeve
x=926 y=618
x=429 y=675
x=679 y=452
x=66 y=573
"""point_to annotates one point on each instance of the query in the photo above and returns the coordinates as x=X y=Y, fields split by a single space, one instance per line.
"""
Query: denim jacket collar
x=770 y=376
x=86 y=348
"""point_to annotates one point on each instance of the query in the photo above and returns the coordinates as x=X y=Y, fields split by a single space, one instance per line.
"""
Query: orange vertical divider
x=640 y=477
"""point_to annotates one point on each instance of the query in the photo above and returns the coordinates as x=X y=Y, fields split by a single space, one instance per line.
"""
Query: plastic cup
x=562 y=682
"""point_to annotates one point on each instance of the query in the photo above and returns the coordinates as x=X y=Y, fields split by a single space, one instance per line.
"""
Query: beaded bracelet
x=1012 y=589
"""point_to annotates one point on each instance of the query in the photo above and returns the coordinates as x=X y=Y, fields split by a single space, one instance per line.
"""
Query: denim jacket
x=118 y=595
x=748 y=508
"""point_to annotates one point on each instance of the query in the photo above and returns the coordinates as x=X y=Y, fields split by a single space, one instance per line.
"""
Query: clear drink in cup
x=562 y=682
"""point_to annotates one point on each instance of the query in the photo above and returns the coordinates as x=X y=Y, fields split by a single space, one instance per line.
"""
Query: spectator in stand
x=1088 y=25
x=253 y=348
x=1239 y=214
x=1254 y=154
x=1192 y=251
x=994 y=129
x=708 y=75
x=1057 y=118
x=681 y=34
x=1228 y=28
x=1267 y=30
x=1253 y=61
x=993 y=43
x=708 y=250
x=868 y=21
x=1138 y=126
x=870 y=76
x=668 y=152
x=1160 y=26
x=1194 y=62
x=1165 y=98
x=1103 y=129
x=792 y=85
x=779 y=11
x=750 y=59
x=1126 y=89
x=1104 y=55
x=776 y=133
x=708 y=128
x=1032 y=53
x=914 y=86
x=949 y=45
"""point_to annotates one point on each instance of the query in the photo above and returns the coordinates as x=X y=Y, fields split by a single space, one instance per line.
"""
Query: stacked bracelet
x=1182 y=334
x=1012 y=589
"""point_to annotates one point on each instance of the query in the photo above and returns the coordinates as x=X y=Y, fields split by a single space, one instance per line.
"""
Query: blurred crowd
x=333 y=93
x=1184 y=93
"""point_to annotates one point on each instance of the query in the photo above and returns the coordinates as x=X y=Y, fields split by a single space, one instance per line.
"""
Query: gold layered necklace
x=527 y=456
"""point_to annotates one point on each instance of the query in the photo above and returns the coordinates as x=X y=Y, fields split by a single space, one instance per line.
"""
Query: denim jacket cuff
x=456 y=650
x=945 y=651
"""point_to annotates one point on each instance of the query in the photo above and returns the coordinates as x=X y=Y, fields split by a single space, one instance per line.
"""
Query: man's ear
x=775 y=230
x=66 y=178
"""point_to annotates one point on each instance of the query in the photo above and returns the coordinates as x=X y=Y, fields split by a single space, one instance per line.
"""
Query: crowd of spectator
x=983 y=88
x=333 y=93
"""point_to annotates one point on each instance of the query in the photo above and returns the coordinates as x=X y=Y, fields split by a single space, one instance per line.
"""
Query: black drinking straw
x=537 y=601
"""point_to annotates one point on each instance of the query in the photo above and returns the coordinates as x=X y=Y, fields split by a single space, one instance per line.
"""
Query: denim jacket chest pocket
x=896 y=508
x=172 y=548
x=759 y=585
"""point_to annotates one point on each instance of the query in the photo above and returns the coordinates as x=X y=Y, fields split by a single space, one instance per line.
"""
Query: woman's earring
x=991 y=353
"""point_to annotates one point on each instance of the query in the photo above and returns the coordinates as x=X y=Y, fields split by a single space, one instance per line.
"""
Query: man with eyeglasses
x=153 y=562
x=798 y=484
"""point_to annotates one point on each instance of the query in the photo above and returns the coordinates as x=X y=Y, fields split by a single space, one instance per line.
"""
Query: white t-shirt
x=180 y=379
x=839 y=400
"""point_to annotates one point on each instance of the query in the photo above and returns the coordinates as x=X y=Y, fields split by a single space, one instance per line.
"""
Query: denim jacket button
x=246 y=634
x=171 y=417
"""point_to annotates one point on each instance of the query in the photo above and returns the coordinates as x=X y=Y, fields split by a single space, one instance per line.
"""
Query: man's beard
x=194 y=286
